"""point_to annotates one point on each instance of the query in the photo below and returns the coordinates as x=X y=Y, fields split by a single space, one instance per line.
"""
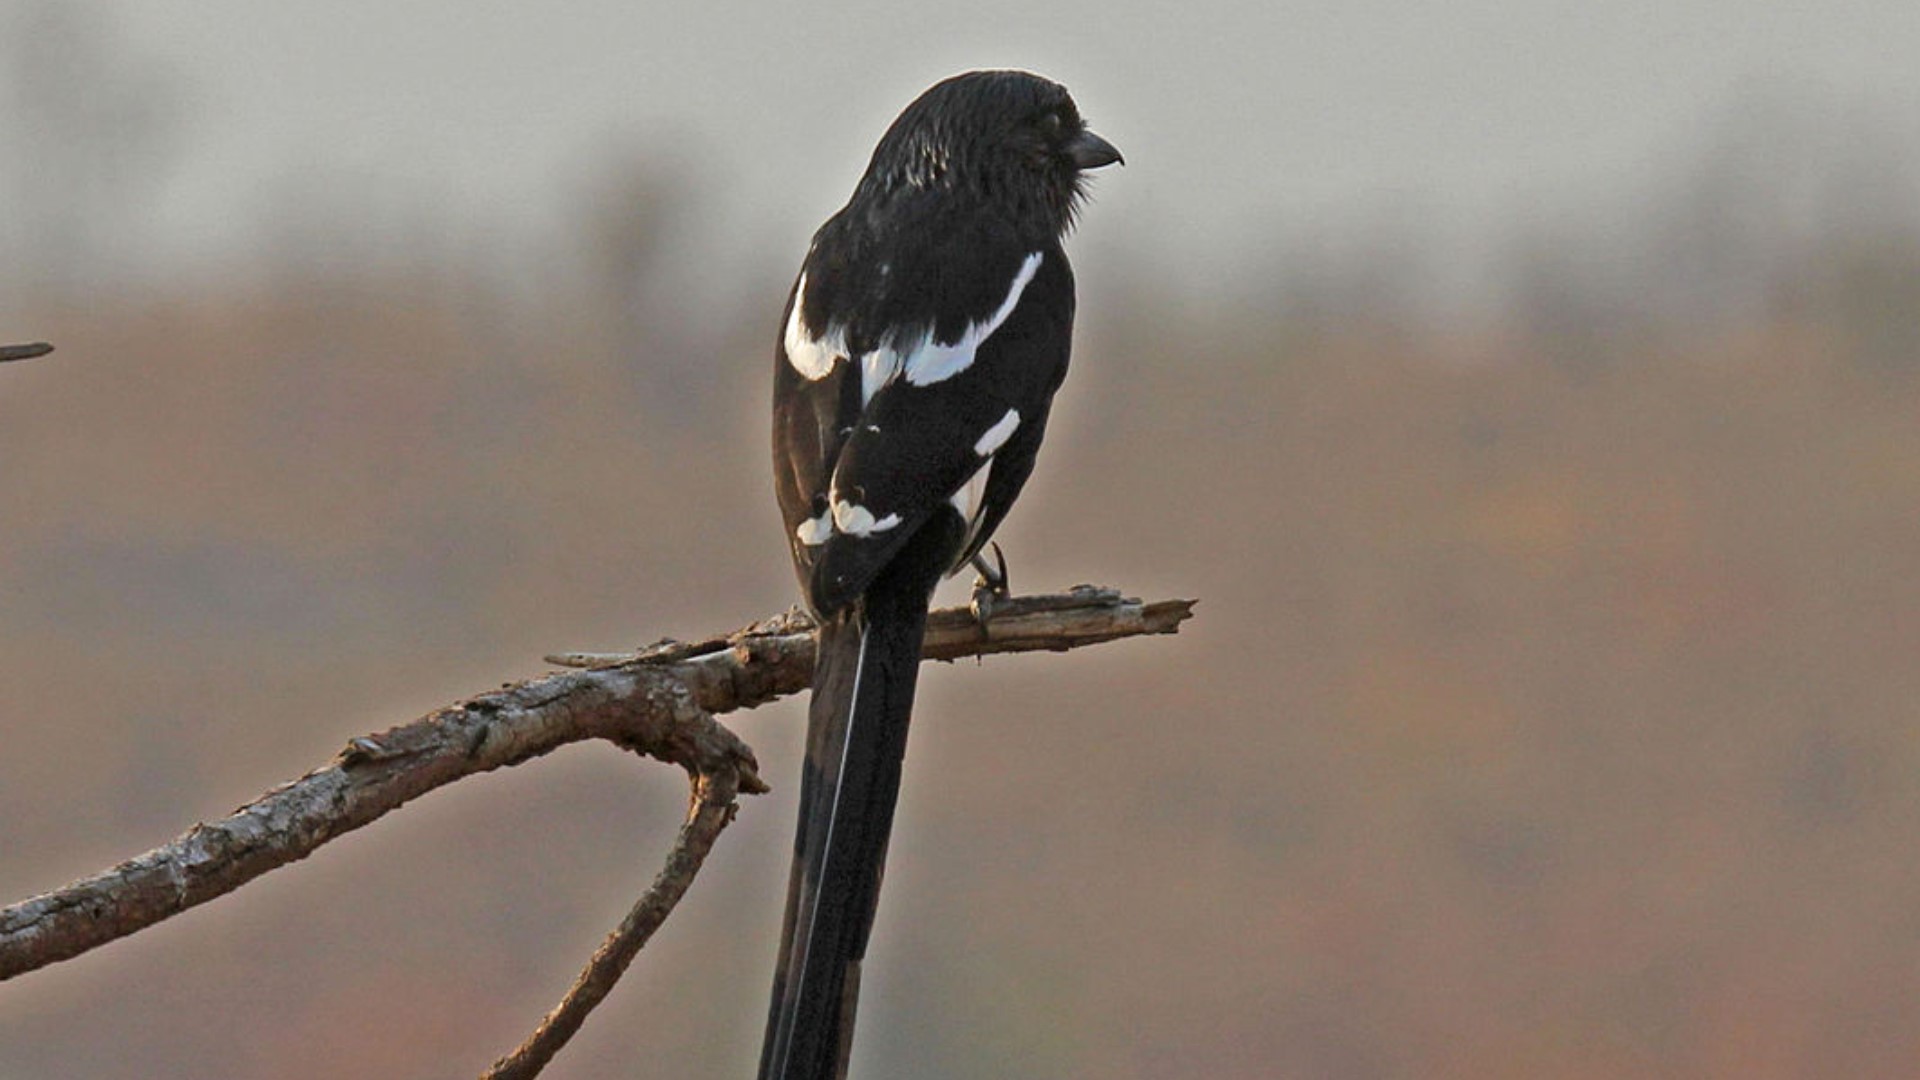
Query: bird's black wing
x=878 y=429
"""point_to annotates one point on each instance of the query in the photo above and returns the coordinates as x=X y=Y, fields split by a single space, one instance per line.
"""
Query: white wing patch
x=813 y=357
x=931 y=361
x=996 y=436
x=814 y=531
x=922 y=360
x=859 y=521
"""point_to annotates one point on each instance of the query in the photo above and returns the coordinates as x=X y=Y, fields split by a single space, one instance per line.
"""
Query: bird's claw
x=992 y=586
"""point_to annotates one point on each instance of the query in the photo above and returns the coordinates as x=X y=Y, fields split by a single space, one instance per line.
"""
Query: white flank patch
x=859 y=521
x=996 y=436
x=932 y=361
x=966 y=500
x=812 y=357
x=814 y=531
x=877 y=369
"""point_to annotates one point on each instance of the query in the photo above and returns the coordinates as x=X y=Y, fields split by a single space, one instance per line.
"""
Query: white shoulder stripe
x=813 y=357
x=934 y=361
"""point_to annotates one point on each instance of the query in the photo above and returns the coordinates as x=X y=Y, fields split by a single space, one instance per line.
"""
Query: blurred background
x=1528 y=392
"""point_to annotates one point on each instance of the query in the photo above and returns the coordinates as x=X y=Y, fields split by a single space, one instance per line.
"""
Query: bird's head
x=1008 y=137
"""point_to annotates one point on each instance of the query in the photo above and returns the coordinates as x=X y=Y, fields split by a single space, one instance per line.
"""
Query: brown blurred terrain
x=1550 y=711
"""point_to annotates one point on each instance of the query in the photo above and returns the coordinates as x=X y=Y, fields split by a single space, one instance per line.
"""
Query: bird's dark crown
x=1005 y=137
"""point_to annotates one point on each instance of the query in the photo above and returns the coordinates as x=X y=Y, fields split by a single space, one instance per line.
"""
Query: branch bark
x=658 y=702
x=643 y=708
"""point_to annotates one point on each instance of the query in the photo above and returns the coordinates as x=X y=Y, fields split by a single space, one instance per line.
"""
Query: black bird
x=919 y=353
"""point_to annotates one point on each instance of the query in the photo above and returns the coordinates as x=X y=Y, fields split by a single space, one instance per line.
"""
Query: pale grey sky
x=1243 y=123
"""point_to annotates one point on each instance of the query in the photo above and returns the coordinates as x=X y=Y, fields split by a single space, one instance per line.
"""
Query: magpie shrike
x=918 y=356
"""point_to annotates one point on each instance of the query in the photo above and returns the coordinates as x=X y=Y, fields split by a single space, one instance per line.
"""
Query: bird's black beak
x=1090 y=151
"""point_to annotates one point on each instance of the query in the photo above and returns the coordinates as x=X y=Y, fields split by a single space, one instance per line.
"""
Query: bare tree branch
x=779 y=651
x=24 y=352
x=657 y=702
x=643 y=708
x=709 y=811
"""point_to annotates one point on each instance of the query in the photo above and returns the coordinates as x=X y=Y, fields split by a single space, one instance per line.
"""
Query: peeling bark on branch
x=657 y=702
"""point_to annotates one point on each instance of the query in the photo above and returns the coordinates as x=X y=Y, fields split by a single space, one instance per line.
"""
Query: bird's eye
x=1050 y=122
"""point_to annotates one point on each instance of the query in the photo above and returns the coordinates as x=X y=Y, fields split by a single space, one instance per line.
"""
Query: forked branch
x=658 y=702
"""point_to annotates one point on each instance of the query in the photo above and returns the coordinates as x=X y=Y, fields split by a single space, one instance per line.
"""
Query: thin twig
x=24 y=352
x=709 y=811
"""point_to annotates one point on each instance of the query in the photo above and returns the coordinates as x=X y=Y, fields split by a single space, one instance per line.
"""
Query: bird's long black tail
x=863 y=686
